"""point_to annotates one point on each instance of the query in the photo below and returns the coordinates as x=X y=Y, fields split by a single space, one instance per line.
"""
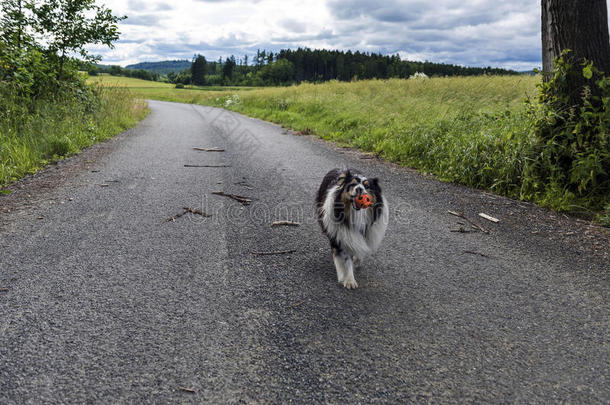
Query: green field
x=160 y=91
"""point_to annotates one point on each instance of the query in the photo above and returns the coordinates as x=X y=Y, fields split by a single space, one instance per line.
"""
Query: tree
x=279 y=72
x=13 y=23
x=116 y=70
x=198 y=70
x=16 y=45
x=570 y=163
x=183 y=77
x=67 y=26
x=581 y=27
x=228 y=68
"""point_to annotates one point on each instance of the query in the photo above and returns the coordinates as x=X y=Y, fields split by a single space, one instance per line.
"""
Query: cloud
x=466 y=32
x=228 y=1
x=293 y=25
x=163 y=7
x=385 y=11
x=145 y=20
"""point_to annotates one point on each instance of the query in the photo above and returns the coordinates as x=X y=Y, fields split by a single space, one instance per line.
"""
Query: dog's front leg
x=345 y=268
x=339 y=259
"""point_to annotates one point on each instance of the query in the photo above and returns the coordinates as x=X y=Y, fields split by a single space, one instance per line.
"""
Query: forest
x=301 y=65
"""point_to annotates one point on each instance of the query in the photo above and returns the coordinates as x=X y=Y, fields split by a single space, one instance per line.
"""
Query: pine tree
x=198 y=70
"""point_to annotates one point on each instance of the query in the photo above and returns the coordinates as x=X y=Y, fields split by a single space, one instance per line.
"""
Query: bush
x=179 y=85
x=59 y=146
x=570 y=160
x=27 y=72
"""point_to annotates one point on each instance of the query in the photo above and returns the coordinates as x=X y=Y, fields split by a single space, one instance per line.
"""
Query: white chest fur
x=360 y=220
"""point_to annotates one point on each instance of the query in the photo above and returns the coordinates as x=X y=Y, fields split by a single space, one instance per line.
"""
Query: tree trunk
x=578 y=25
x=20 y=27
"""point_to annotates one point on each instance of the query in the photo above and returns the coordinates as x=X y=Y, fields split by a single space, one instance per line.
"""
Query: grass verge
x=48 y=131
x=471 y=130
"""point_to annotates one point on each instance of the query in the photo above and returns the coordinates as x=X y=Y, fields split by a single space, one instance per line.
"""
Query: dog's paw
x=350 y=284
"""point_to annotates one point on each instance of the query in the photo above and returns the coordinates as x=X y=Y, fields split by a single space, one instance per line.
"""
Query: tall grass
x=475 y=130
x=49 y=130
x=471 y=130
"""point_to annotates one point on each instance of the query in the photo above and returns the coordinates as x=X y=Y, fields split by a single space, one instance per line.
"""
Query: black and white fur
x=353 y=233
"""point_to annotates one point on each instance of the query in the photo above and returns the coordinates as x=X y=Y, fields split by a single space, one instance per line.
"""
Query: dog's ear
x=343 y=177
x=375 y=184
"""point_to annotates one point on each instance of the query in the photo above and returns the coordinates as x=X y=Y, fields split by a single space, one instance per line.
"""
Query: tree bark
x=21 y=24
x=578 y=25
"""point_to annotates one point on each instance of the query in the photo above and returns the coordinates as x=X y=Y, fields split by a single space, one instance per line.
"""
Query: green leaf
x=587 y=71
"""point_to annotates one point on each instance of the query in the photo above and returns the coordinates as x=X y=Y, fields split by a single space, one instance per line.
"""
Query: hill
x=163 y=67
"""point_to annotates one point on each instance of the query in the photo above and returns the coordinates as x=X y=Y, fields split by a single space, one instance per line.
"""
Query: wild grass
x=47 y=131
x=471 y=130
x=475 y=130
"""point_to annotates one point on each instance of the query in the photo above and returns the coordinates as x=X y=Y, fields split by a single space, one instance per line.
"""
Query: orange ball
x=363 y=201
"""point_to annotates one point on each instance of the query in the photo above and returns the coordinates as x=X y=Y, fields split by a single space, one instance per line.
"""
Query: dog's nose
x=359 y=190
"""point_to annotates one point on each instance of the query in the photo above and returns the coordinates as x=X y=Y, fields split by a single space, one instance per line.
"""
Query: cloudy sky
x=500 y=33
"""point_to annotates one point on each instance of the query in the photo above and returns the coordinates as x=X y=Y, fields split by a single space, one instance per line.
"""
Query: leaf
x=587 y=71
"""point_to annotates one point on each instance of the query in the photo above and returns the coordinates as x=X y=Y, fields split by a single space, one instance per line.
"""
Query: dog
x=354 y=232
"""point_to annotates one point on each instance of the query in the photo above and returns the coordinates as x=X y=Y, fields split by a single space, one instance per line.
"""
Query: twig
x=210 y=149
x=186 y=210
x=190 y=390
x=461 y=230
x=489 y=217
x=244 y=184
x=477 y=253
x=297 y=304
x=288 y=223
x=4 y=289
x=474 y=224
x=241 y=199
x=196 y=211
x=279 y=252
x=207 y=165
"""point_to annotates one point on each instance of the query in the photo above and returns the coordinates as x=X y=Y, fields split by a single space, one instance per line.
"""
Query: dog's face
x=355 y=184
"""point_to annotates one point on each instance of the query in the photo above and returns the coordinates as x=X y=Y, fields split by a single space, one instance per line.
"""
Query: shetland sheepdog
x=354 y=232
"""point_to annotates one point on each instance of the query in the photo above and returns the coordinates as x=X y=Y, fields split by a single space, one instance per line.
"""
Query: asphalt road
x=102 y=300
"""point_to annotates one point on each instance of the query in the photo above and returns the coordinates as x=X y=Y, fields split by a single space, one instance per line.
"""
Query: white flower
x=234 y=99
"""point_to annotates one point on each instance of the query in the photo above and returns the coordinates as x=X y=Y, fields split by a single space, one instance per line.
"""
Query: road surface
x=103 y=299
